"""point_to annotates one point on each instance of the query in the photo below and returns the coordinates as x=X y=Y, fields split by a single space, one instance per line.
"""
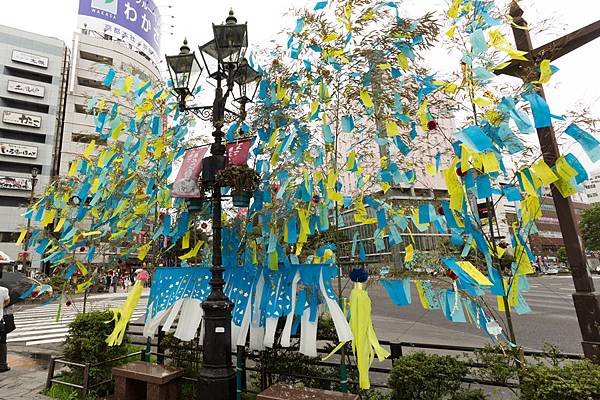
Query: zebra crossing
x=39 y=325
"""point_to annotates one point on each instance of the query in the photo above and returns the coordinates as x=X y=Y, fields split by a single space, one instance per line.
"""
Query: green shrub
x=186 y=355
x=574 y=381
x=469 y=394
x=426 y=377
x=501 y=364
x=293 y=362
x=86 y=343
x=63 y=392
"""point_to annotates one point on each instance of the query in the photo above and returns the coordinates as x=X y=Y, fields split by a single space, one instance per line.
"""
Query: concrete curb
x=37 y=353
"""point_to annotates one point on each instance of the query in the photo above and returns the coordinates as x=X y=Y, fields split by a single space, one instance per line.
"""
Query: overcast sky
x=576 y=83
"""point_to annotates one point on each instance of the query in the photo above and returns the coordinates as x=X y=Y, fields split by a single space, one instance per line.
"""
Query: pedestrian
x=127 y=283
x=114 y=282
x=107 y=281
x=4 y=302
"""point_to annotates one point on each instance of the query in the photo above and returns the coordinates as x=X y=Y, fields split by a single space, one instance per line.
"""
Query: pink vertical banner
x=186 y=183
x=237 y=152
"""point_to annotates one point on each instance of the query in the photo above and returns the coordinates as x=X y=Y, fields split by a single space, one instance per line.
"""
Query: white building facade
x=93 y=55
x=33 y=71
x=592 y=188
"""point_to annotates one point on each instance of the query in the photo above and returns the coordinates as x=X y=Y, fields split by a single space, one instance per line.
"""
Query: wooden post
x=86 y=381
x=585 y=298
x=51 y=368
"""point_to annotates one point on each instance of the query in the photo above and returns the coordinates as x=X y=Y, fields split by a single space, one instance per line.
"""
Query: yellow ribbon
x=365 y=344
x=123 y=315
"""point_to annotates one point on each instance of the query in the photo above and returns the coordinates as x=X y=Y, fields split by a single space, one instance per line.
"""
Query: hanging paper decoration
x=122 y=316
x=340 y=130
x=365 y=344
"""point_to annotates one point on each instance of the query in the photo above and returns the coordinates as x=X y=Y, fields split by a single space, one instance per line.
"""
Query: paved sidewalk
x=25 y=380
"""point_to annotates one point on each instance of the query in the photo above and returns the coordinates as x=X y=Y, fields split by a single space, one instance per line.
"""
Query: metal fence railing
x=254 y=365
x=86 y=385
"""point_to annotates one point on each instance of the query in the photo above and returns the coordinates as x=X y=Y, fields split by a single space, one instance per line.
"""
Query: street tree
x=590 y=227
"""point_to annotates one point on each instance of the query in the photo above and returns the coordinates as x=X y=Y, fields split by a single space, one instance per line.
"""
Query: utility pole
x=585 y=298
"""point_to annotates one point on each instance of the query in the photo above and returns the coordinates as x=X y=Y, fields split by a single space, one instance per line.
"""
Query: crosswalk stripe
x=38 y=325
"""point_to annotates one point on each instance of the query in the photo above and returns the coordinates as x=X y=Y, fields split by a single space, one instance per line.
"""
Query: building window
x=24 y=105
x=22 y=73
x=92 y=83
x=81 y=109
x=84 y=137
x=9 y=237
x=22 y=136
x=19 y=167
x=11 y=201
x=95 y=58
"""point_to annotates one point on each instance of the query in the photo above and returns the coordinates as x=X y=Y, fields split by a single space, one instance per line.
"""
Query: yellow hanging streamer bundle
x=123 y=315
x=365 y=344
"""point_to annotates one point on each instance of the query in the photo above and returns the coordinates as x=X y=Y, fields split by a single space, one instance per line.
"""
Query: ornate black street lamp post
x=217 y=376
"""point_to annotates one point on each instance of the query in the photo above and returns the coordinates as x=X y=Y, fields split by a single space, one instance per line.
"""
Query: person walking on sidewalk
x=114 y=281
x=4 y=302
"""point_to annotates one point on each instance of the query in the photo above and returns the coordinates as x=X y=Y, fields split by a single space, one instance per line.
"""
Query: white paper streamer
x=151 y=325
x=271 y=323
x=189 y=319
x=257 y=332
x=287 y=329
x=243 y=328
x=172 y=315
x=308 y=334
x=337 y=315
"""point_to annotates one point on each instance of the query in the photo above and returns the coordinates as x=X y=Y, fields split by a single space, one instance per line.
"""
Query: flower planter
x=241 y=199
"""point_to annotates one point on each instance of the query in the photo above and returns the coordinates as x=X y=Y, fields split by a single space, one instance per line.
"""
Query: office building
x=592 y=188
x=548 y=238
x=33 y=71
x=93 y=54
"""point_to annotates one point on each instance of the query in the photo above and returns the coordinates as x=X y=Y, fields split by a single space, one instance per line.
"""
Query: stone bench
x=289 y=392
x=139 y=380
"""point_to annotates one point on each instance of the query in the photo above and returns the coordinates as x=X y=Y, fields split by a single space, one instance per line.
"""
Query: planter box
x=289 y=392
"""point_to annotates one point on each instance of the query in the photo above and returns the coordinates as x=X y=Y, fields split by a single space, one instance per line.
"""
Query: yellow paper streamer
x=72 y=168
x=392 y=129
x=490 y=162
x=88 y=150
x=474 y=273
x=49 y=215
x=193 y=252
x=82 y=286
x=185 y=242
x=366 y=98
x=123 y=315
x=545 y=72
x=544 y=172
x=410 y=253
x=421 y=292
x=365 y=344
x=143 y=251
x=21 y=237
